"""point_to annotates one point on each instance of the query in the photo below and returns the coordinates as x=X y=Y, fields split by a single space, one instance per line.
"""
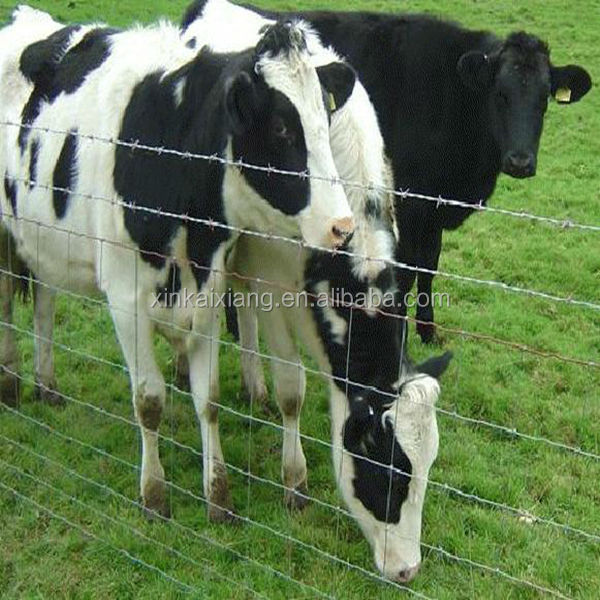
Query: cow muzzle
x=399 y=562
x=407 y=575
x=519 y=165
x=340 y=231
x=331 y=233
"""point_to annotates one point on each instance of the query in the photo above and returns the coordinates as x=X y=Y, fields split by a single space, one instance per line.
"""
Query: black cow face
x=518 y=80
x=268 y=132
x=369 y=437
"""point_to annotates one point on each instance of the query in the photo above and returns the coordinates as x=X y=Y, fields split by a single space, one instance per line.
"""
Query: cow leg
x=9 y=355
x=430 y=261
x=289 y=385
x=253 y=379
x=182 y=379
x=44 y=305
x=425 y=316
x=148 y=394
x=203 y=357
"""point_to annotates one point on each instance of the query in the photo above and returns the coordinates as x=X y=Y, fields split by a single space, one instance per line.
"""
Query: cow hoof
x=182 y=374
x=258 y=394
x=296 y=499
x=428 y=333
x=220 y=505
x=218 y=514
x=154 y=514
x=10 y=390
x=48 y=396
x=155 y=501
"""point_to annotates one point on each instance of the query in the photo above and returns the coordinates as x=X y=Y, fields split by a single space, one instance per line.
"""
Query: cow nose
x=409 y=574
x=519 y=164
x=340 y=231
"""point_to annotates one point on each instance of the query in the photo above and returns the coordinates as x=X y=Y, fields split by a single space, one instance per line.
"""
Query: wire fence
x=34 y=487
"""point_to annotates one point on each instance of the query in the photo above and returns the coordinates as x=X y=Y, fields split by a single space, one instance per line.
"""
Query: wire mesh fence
x=41 y=469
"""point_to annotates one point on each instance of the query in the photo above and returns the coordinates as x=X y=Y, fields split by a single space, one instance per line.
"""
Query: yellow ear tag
x=332 y=104
x=563 y=95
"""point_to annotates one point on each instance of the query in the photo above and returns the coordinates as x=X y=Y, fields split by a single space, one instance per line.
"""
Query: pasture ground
x=42 y=557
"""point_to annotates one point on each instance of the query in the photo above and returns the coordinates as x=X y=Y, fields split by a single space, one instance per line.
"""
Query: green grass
x=42 y=557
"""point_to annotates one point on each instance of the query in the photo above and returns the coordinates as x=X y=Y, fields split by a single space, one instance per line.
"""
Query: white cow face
x=280 y=119
x=382 y=469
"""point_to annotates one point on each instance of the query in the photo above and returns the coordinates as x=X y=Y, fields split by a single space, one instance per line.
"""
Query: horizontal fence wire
x=186 y=218
x=204 y=564
x=138 y=561
x=305 y=245
x=247 y=279
x=201 y=537
x=504 y=429
x=235 y=516
x=565 y=528
x=441 y=551
x=105 y=488
x=476 y=205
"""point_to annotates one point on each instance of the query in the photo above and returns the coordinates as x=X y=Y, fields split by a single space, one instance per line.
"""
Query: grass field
x=43 y=557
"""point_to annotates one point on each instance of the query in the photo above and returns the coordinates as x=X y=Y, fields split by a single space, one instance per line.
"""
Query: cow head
x=384 y=426
x=279 y=117
x=518 y=79
x=389 y=442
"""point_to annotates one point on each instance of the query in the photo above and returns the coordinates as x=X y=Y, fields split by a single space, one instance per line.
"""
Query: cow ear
x=475 y=70
x=357 y=427
x=337 y=79
x=39 y=62
x=240 y=102
x=435 y=367
x=569 y=84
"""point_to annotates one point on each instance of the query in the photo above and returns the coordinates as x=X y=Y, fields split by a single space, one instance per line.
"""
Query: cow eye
x=281 y=131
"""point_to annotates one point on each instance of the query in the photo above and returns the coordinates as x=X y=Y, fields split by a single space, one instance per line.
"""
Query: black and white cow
x=456 y=106
x=80 y=210
x=383 y=418
x=356 y=141
x=384 y=432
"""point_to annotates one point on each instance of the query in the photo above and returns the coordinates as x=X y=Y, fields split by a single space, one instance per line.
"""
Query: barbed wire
x=435 y=484
x=477 y=205
x=249 y=279
x=444 y=553
x=304 y=245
